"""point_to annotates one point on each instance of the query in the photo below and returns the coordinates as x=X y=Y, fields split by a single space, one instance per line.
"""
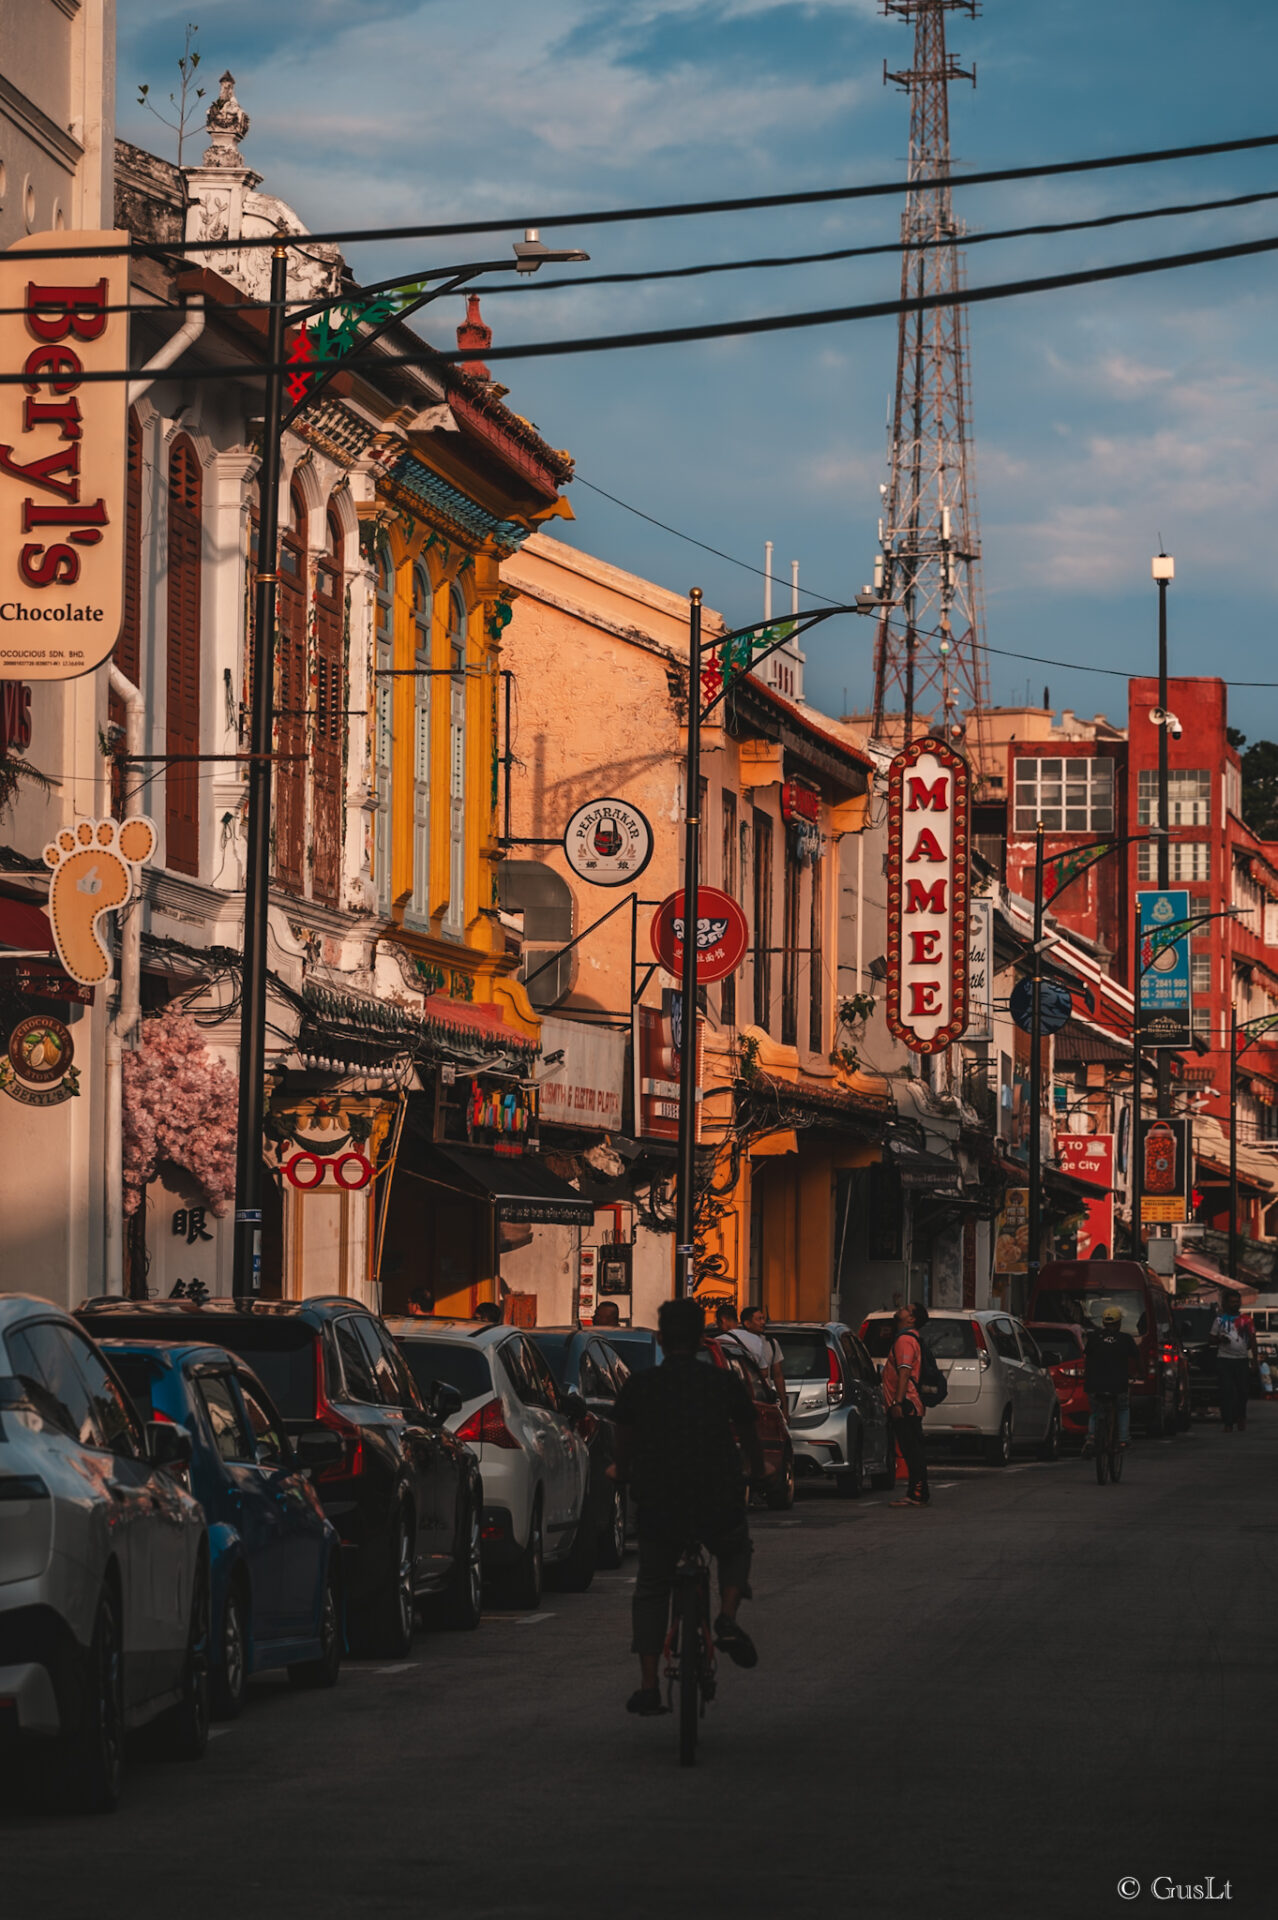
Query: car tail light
x=1069 y=1370
x=487 y=1427
x=1170 y=1356
x=834 y=1385
x=982 y=1351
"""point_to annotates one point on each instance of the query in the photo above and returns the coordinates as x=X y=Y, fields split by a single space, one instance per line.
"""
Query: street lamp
x=386 y=305
x=1163 y=569
x=727 y=659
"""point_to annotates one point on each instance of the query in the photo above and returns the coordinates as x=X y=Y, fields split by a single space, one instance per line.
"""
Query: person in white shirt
x=1234 y=1339
x=754 y=1327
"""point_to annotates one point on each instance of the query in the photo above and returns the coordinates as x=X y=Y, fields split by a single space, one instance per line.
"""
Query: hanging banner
x=1165 y=1148
x=980 y=970
x=1011 y=1232
x=1090 y=1157
x=62 y=465
x=1163 y=1008
x=929 y=806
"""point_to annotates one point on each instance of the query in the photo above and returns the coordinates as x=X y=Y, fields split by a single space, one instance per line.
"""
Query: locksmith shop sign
x=62 y=455
x=929 y=806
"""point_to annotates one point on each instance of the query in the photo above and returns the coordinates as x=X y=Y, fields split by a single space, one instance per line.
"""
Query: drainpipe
x=186 y=336
x=121 y=1028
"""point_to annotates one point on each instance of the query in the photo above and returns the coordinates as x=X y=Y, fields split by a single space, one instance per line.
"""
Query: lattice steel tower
x=929 y=662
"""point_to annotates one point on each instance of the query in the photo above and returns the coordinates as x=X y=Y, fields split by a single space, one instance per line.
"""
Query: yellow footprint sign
x=95 y=866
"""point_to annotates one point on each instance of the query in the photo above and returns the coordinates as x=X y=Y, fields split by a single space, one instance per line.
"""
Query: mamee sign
x=929 y=795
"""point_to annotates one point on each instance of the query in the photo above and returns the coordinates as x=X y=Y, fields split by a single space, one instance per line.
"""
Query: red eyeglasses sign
x=351 y=1171
x=723 y=935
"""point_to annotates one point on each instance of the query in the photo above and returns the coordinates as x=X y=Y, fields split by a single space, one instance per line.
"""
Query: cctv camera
x=1176 y=729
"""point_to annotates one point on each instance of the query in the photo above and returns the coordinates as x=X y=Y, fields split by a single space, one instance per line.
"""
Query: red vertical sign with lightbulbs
x=929 y=848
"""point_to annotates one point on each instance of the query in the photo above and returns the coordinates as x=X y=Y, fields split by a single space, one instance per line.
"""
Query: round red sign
x=723 y=935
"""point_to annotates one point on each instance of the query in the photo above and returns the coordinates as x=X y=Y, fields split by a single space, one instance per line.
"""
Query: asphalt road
x=999 y=1707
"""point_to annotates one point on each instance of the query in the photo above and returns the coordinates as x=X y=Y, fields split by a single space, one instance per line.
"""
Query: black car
x=585 y=1363
x=405 y=1494
x=1193 y=1330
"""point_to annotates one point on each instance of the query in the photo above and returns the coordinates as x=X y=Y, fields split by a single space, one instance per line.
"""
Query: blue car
x=276 y=1559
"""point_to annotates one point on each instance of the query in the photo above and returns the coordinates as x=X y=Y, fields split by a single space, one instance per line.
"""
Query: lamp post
x=1249 y=1032
x=710 y=678
x=382 y=307
x=1163 y=568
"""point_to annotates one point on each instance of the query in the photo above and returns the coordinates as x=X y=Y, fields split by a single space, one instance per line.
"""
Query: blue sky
x=1102 y=417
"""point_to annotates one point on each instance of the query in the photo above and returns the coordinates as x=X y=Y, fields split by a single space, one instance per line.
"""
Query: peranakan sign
x=62 y=455
x=929 y=806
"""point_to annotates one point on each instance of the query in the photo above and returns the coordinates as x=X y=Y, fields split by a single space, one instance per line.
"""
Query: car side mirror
x=167 y=1445
x=445 y=1400
x=575 y=1407
x=319 y=1448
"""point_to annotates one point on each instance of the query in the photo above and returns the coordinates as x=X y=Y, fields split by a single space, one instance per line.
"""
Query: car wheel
x=612 y=1535
x=1051 y=1447
x=324 y=1671
x=523 y=1586
x=998 y=1451
x=186 y=1726
x=230 y=1674
x=85 y=1769
x=388 y=1628
x=780 y=1495
x=851 y=1485
x=465 y=1603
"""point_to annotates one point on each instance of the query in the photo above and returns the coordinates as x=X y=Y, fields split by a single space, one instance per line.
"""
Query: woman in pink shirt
x=901 y=1398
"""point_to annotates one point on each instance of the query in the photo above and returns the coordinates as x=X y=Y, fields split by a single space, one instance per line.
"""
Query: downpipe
x=128 y=1005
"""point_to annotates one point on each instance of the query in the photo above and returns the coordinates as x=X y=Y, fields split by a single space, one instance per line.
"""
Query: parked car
x=639 y=1347
x=1000 y=1396
x=774 y=1434
x=276 y=1558
x=585 y=1363
x=404 y=1497
x=1193 y=1330
x=525 y=1433
x=1077 y=1292
x=1063 y=1349
x=838 y=1425
x=104 y=1566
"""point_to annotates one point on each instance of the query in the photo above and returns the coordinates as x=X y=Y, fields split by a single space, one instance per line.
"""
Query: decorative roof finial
x=473 y=336
x=227 y=124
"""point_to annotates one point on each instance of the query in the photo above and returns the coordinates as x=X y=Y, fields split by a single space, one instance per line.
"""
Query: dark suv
x=405 y=1494
x=1193 y=1327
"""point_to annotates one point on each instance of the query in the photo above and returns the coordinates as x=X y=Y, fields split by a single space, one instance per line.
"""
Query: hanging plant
x=179 y=1105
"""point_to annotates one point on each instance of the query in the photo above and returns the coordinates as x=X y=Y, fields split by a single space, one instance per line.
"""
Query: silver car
x=1000 y=1394
x=838 y=1425
x=104 y=1565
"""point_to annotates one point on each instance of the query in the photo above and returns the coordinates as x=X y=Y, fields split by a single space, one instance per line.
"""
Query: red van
x=1077 y=1292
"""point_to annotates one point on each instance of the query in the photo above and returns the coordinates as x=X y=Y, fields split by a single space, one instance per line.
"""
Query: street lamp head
x=531 y=252
x=1163 y=566
x=867 y=600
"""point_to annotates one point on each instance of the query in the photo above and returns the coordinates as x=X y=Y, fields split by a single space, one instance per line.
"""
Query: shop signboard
x=980 y=970
x=1166 y=1163
x=1090 y=1157
x=1163 y=1012
x=658 y=1046
x=608 y=843
x=580 y=1075
x=62 y=464
x=723 y=935
x=929 y=805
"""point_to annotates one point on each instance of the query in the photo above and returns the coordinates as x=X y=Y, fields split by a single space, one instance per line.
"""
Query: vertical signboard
x=1166 y=1163
x=980 y=970
x=62 y=454
x=658 y=1046
x=1090 y=1157
x=1163 y=1000
x=929 y=792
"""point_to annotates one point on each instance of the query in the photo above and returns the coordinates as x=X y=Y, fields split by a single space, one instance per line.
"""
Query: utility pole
x=685 y=1233
x=1164 y=570
x=1036 y=1079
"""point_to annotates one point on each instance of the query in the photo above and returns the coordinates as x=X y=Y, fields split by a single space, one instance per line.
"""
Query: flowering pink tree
x=179 y=1105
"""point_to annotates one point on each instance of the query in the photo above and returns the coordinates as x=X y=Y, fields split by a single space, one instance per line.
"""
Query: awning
x=922 y=1170
x=1084 y=1044
x=1202 y=1269
x=25 y=935
x=24 y=927
x=518 y=1186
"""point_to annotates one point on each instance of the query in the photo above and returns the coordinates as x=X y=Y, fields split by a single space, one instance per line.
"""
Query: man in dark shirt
x=678 y=1427
x=1108 y=1362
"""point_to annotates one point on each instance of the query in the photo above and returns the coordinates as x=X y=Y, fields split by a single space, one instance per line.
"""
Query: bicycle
x=689 y=1649
x=1109 y=1455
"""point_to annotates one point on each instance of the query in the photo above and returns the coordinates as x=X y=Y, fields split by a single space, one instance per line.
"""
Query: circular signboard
x=608 y=842
x=723 y=935
x=41 y=1050
x=1056 y=1003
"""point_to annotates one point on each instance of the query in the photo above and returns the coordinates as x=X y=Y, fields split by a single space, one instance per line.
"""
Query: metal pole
x=1138 y=1166
x=248 y=1144
x=1233 y=1143
x=1036 y=1077
x=685 y=1267
x=1164 y=837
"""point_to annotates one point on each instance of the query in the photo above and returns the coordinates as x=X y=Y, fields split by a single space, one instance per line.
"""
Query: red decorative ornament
x=929 y=850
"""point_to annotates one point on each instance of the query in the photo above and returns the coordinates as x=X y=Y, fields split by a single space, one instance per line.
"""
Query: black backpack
x=933 y=1386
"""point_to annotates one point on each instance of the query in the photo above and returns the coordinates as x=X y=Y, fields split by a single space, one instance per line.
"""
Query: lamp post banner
x=1166 y=1150
x=62 y=466
x=1163 y=1002
x=929 y=809
x=1090 y=1156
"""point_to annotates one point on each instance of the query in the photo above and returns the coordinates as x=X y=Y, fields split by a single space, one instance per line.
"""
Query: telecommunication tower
x=929 y=665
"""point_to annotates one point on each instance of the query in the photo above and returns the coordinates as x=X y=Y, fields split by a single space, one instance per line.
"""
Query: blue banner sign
x=1163 y=1003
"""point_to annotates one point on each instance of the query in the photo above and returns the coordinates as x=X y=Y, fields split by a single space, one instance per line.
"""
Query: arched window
x=423 y=604
x=182 y=708
x=128 y=648
x=454 y=921
x=330 y=702
x=383 y=733
x=291 y=701
x=544 y=898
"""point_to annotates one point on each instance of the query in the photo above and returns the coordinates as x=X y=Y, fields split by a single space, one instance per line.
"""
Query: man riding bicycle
x=680 y=1431
x=1107 y=1366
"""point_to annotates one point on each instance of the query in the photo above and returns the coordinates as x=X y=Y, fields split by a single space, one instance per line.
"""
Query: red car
x=1063 y=1349
x=774 y=1433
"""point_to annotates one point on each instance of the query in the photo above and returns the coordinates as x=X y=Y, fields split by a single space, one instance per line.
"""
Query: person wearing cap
x=1107 y=1368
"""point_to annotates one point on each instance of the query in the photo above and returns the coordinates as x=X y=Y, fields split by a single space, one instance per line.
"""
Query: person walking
x=1234 y=1338
x=901 y=1396
x=754 y=1328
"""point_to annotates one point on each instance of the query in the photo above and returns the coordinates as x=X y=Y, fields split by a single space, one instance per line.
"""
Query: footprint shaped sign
x=95 y=866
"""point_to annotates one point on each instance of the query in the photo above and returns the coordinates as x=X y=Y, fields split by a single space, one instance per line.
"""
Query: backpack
x=933 y=1386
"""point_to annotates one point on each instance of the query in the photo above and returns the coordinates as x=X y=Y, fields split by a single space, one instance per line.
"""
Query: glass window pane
x=230 y=1436
x=355 y=1363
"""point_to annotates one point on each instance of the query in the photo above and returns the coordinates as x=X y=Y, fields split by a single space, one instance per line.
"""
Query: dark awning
x=518 y=1186
x=919 y=1169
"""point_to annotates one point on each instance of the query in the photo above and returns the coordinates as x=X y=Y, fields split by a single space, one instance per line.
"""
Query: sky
x=1105 y=420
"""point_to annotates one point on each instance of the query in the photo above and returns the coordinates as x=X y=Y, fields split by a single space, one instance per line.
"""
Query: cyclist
x=678 y=1428
x=1107 y=1367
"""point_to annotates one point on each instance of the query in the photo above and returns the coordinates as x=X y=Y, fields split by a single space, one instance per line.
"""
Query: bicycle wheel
x=1102 y=1449
x=1115 y=1452
x=689 y=1688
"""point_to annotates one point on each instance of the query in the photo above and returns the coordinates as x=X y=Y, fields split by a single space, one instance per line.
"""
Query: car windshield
x=1194 y=1323
x=280 y=1351
x=1084 y=1307
x=138 y=1373
x=553 y=1348
x=1056 y=1344
x=466 y=1368
x=803 y=1355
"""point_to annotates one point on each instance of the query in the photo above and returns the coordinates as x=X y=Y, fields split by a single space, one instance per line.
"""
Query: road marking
x=534 y=1619
x=405 y=1666
x=215 y=1733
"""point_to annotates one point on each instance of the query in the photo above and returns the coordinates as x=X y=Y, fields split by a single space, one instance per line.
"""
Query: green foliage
x=16 y=772
x=747 y=1057
x=1260 y=788
x=183 y=102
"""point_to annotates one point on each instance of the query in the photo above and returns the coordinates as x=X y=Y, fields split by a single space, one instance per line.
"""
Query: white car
x=104 y=1565
x=1000 y=1394
x=533 y=1458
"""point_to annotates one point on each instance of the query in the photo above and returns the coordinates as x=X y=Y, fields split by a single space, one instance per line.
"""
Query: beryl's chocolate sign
x=929 y=847
x=62 y=454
